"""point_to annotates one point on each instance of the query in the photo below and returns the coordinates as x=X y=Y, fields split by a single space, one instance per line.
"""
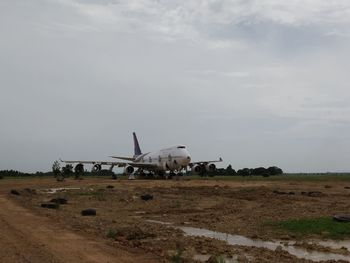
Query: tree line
x=15 y=173
x=69 y=170
x=259 y=171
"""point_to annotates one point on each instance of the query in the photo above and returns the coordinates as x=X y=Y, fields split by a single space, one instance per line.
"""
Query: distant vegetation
x=260 y=171
x=227 y=173
x=18 y=174
x=14 y=173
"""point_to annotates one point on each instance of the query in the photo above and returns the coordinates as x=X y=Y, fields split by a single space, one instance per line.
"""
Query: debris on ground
x=312 y=193
x=61 y=201
x=342 y=218
x=50 y=205
x=15 y=192
x=147 y=197
x=88 y=212
x=283 y=193
x=30 y=191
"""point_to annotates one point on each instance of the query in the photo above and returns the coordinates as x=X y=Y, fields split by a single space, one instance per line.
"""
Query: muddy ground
x=121 y=232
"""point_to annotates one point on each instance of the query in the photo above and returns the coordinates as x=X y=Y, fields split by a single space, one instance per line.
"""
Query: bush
x=111 y=233
x=274 y=170
x=260 y=171
x=67 y=170
x=244 y=172
x=177 y=257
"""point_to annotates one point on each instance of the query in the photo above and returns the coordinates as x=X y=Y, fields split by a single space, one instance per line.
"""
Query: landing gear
x=172 y=174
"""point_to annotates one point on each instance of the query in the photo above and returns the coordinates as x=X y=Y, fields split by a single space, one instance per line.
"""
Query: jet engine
x=96 y=168
x=210 y=167
x=128 y=170
x=197 y=169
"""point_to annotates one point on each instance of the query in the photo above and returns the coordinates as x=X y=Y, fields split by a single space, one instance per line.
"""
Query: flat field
x=284 y=219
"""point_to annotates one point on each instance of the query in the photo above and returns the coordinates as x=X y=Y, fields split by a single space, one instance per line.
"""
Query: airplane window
x=181 y=147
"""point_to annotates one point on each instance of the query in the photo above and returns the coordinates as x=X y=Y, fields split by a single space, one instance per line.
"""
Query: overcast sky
x=257 y=82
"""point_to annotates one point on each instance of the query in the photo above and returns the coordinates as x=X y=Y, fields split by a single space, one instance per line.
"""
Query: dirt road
x=25 y=237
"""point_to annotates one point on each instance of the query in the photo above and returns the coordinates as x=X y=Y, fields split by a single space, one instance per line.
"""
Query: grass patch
x=220 y=259
x=97 y=195
x=324 y=227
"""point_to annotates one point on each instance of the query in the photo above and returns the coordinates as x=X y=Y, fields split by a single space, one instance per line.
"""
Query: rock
x=61 y=201
x=283 y=193
x=315 y=194
x=312 y=193
x=15 y=192
x=341 y=218
x=147 y=197
x=88 y=212
x=50 y=205
x=279 y=249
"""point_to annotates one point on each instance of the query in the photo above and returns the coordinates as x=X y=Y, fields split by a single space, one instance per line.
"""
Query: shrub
x=111 y=233
x=177 y=257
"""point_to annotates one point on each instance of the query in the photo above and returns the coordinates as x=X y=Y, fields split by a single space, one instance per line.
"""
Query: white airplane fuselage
x=173 y=158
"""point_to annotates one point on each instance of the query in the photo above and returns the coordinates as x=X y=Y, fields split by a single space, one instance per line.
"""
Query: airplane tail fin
x=137 y=150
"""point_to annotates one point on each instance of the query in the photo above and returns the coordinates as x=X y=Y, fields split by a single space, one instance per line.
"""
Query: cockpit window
x=181 y=147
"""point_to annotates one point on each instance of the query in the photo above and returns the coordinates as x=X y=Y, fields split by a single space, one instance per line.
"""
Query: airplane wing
x=204 y=162
x=116 y=164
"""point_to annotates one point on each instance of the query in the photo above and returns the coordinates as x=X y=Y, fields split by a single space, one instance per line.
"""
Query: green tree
x=79 y=170
x=56 y=168
x=230 y=170
x=67 y=170
x=274 y=170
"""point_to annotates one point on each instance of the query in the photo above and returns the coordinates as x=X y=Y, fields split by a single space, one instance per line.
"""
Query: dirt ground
x=121 y=230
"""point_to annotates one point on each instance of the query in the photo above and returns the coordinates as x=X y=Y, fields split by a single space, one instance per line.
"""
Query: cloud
x=79 y=76
x=172 y=17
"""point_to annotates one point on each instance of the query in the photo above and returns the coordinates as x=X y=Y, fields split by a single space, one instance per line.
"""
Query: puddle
x=60 y=189
x=204 y=258
x=158 y=222
x=335 y=244
x=140 y=212
x=271 y=245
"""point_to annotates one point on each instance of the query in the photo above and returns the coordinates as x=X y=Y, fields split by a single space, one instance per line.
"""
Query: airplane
x=173 y=159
